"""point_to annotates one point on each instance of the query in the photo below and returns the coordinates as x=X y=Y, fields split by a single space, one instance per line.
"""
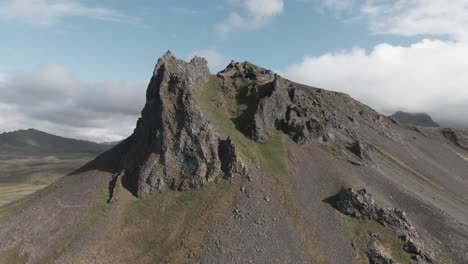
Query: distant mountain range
x=416 y=119
x=31 y=160
x=35 y=142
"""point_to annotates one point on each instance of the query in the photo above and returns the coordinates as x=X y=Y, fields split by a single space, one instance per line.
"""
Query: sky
x=80 y=68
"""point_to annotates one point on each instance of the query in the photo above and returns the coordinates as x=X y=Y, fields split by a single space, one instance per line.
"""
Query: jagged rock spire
x=174 y=145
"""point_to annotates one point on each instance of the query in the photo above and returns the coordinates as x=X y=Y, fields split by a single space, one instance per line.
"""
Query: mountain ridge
x=241 y=167
x=35 y=142
x=417 y=119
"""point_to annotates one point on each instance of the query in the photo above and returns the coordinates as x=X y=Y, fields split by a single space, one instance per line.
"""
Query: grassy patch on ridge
x=390 y=243
x=271 y=156
x=165 y=227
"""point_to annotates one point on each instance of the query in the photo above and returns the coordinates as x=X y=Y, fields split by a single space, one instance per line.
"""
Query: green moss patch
x=360 y=231
x=270 y=156
x=165 y=227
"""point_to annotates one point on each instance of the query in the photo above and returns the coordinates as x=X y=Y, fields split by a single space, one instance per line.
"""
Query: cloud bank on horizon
x=51 y=98
x=428 y=75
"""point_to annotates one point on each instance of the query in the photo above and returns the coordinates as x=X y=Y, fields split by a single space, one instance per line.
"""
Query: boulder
x=362 y=150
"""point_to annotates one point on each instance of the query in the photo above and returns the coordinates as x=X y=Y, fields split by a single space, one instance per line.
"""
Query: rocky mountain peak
x=416 y=119
x=174 y=146
x=248 y=71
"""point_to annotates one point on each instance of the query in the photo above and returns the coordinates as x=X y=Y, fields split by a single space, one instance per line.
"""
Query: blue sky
x=393 y=55
x=105 y=50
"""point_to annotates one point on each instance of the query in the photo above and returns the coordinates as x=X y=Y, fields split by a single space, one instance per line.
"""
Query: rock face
x=374 y=254
x=174 y=145
x=360 y=204
x=274 y=103
x=362 y=150
x=458 y=138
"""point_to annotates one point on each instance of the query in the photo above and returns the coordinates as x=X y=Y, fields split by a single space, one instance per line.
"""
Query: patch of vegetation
x=210 y=98
x=13 y=192
x=24 y=175
x=270 y=156
x=360 y=231
x=13 y=256
x=95 y=211
x=164 y=227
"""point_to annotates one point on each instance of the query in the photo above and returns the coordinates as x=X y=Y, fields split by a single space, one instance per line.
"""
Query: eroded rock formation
x=174 y=145
x=274 y=103
x=360 y=204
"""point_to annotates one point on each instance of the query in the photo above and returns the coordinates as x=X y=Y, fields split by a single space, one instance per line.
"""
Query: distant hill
x=416 y=119
x=35 y=142
x=31 y=160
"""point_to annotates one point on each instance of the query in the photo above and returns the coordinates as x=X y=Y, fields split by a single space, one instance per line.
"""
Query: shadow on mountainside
x=109 y=161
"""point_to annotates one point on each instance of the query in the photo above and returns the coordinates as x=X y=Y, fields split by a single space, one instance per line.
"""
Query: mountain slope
x=416 y=119
x=34 y=142
x=247 y=167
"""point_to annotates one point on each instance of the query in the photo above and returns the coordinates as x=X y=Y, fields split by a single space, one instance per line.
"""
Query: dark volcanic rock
x=274 y=103
x=174 y=145
x=361 y=204
x=356 y=204
x=230 y=163
x=456 y=137
x=416 y=119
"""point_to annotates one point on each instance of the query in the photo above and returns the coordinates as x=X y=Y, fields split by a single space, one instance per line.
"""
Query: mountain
x=245 y=166
x=35 y=142
x=31 y=160
x=416 y=119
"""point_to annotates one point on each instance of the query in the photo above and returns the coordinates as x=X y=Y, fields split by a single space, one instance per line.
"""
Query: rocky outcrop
x=230 y=162
x=274 y=103
x=458 y=138
x=174 y=146
x=374 y=254
x=362 y=151
x=360 y=204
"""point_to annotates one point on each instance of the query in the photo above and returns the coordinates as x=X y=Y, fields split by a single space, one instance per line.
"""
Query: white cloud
x=44 y=13
x=418 y=17
x=338 y=5
x=428 y=76
x=264 y=8
x=53 y=99
x=216 y=60
x=259 y=12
